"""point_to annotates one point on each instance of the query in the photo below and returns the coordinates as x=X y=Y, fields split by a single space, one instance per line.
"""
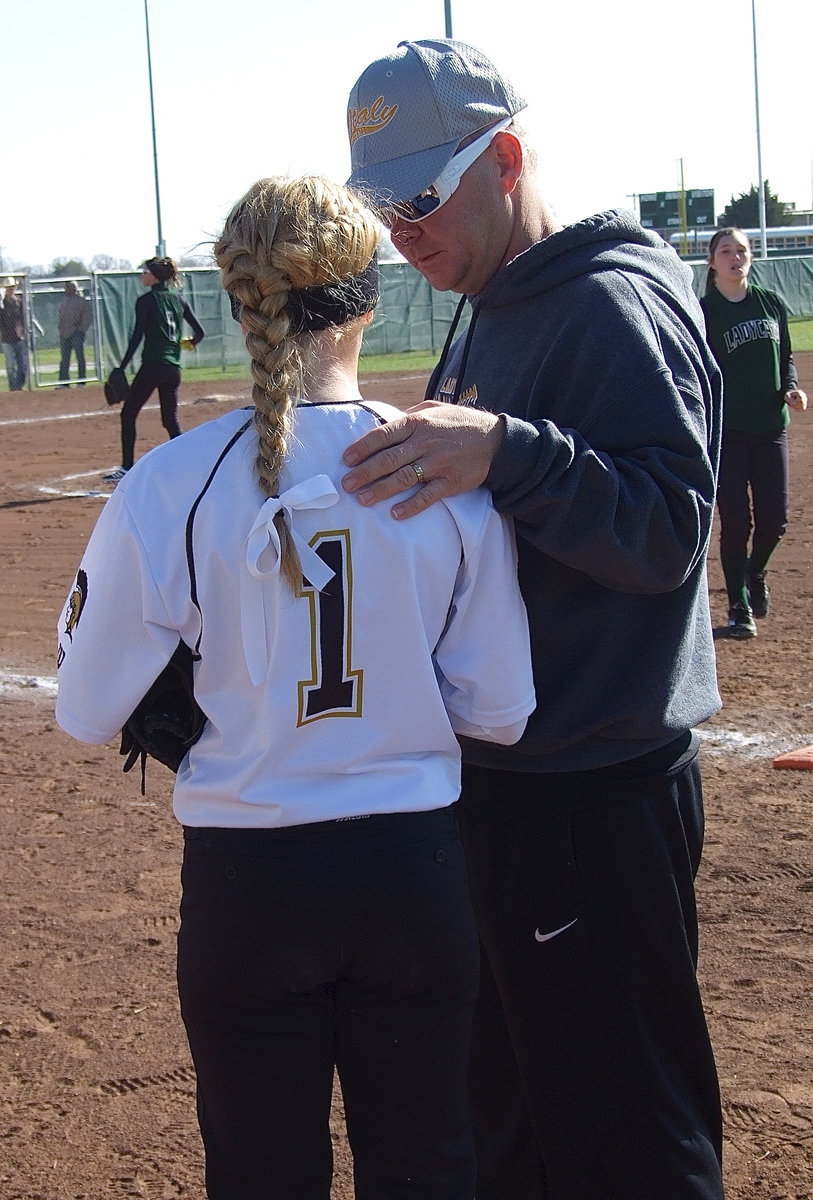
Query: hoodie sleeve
x=624 y=493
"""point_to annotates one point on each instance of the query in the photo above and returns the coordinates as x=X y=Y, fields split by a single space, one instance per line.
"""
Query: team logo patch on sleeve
x=447 y=389
x=76 y=603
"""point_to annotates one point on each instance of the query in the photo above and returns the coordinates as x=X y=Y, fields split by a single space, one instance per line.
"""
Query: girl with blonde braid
x=325 y=917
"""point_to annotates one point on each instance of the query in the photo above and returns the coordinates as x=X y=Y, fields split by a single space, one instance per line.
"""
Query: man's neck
x=533 y=222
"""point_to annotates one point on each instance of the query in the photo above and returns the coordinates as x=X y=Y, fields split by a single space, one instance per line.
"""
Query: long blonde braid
x=287 y=234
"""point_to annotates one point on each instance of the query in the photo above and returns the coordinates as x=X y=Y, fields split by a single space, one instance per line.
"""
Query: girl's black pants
x=167 y=379
x=752 y=492
x=347 y=945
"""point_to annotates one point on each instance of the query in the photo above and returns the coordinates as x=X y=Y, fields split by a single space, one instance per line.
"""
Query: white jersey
x=337 y=702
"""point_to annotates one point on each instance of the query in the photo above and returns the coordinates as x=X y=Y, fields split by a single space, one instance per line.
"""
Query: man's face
x=461 y=245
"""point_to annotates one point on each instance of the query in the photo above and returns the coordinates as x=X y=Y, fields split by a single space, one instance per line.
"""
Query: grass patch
x=202 y=374
x=383 y=364
x=373 y=364
x=801 y=333
x=370 y=364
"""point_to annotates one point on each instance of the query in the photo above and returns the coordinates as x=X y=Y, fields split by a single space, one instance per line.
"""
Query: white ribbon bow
x=263 y=557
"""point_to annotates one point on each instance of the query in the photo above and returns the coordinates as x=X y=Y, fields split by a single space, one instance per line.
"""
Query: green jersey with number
x=159 y=314
x=164 y=312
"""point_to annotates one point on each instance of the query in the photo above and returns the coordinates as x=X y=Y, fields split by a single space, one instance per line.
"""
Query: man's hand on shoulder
x=446 y=448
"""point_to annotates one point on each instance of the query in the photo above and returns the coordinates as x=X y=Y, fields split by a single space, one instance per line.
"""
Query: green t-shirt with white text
x=750 y=340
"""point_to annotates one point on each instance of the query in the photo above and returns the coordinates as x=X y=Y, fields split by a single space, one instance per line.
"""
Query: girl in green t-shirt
x=747 y=329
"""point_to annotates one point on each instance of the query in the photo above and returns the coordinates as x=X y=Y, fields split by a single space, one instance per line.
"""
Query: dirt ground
x=96 y=1084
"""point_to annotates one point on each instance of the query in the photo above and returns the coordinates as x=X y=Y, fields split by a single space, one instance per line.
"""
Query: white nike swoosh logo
x=546 y=937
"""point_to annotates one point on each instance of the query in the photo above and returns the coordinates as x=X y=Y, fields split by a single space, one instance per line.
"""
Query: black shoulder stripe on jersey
x=371 y=406
x=168 y=720
x=190 y=524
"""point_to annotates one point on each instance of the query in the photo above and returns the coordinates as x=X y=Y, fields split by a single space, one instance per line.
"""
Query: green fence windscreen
x=790 y=278
x=410 y=317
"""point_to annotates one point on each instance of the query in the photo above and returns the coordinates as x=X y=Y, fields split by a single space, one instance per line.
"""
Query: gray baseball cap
x=409 y=111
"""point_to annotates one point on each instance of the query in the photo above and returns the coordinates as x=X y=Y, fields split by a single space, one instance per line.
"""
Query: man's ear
x=510 y=159
x=367 y=318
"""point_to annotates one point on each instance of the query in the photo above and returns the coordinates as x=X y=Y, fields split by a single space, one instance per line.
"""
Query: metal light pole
x=683 y=214
x=762 y=217
x=160 y=249
x=447 y=8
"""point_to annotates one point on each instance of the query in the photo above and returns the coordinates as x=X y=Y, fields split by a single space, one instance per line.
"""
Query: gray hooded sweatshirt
x=592 y=344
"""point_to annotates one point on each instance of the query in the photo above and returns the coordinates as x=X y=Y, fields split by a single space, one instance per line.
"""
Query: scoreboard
x=661 y=210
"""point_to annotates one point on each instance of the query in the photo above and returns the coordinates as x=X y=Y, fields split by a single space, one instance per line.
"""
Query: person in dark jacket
x=158 y=322
x=73 y=323
x=747 y=328
x=584 y=395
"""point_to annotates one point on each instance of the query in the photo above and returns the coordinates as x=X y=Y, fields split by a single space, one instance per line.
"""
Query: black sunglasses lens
x=416 y=209
x=425 y=204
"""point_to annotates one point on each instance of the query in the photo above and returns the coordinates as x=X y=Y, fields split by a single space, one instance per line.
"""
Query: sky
x=620 y=95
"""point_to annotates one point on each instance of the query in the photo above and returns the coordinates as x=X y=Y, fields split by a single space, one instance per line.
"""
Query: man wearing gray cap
x=583 y=395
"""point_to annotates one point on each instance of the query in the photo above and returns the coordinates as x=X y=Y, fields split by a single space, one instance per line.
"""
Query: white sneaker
x=115 y=476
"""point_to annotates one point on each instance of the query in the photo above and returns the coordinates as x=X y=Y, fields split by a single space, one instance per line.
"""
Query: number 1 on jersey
x=334 y=689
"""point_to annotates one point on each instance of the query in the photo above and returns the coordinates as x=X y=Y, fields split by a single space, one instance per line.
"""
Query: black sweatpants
x=348 y=943
x=592 y=1073
x=762 y=467
x=165 y=377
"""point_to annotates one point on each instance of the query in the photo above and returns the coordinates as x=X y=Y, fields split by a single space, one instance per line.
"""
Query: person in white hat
x=584 y=396
x=13 y=336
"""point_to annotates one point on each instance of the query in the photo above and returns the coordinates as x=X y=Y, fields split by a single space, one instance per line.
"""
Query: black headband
x=316 y=308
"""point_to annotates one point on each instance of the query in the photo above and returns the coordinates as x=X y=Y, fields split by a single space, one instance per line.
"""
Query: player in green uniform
x=159 y=317
x=747 y=328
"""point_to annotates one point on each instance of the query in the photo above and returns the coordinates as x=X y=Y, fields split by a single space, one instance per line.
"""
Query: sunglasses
x=444 y=187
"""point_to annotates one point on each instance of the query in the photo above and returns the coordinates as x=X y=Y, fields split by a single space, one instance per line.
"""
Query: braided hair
x=287 y=235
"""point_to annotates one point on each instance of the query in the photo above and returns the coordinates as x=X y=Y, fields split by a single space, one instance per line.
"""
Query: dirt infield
x=96 y=1084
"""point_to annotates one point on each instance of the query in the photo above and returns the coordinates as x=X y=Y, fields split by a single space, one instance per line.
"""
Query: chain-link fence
x=410 y=316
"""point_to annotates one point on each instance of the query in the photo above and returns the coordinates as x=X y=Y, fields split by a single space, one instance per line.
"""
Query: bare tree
x=106 y=262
